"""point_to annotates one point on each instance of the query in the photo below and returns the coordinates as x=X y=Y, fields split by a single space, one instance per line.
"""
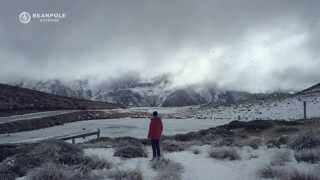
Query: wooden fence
x=80 y=135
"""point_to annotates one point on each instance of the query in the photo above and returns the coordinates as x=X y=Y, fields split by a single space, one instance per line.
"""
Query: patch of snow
x=124 y=164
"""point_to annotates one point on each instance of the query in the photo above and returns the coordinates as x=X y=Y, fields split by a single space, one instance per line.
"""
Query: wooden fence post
x=305 y=110
x=98 y=134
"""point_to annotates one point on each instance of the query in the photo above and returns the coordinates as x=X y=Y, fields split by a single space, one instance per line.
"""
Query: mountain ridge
x=131 y=90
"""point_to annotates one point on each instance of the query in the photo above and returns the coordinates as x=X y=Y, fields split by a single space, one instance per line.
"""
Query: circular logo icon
x=24 y=17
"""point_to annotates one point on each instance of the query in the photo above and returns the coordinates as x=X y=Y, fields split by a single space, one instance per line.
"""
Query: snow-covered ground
x=162 y=110
x=179 y=112
x=201 y=166
x=286 y=109
x=134 y=127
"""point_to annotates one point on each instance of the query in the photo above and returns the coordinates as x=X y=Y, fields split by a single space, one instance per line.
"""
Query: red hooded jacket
x=155 y=128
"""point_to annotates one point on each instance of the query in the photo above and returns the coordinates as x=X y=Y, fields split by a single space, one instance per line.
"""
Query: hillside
x=16 y=98
x=287 y=108
x=315 y=89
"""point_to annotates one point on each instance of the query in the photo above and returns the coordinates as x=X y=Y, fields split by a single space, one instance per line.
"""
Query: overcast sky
x=254 y=45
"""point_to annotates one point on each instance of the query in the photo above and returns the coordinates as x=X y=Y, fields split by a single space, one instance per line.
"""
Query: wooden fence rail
x=82 y=135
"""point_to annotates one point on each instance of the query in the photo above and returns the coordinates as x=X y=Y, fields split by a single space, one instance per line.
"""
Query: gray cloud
x=248 y=45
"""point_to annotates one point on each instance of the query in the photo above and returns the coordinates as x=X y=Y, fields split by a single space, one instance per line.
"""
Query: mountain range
x=132 y=90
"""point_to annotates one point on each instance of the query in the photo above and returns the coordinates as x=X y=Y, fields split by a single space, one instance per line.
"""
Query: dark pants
x=155 y=147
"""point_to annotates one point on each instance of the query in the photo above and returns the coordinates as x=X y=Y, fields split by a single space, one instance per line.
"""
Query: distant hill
x=315 y=89
x=273 y=107
x=14 y=98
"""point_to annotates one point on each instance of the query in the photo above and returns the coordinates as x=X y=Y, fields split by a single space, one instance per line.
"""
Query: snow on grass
x=293 y=171
x=167 y=169
x=224 y=153
x=186 y=110
x=287 y=109
x=201 y=166
x=124 y=164
x=308 y=155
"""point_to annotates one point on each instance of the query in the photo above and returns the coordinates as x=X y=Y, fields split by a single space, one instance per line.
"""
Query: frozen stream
x=111 y=128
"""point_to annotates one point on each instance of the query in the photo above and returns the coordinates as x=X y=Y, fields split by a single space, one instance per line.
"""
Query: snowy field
x=286 y=109
x=201 y=166
x=134 y=127
x=179 y=112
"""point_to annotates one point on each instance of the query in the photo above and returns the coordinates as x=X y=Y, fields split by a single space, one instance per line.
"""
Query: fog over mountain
x=246 y=45
x=131 y=89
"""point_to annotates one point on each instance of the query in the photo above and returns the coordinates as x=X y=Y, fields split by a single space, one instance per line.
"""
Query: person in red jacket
x=155 y=131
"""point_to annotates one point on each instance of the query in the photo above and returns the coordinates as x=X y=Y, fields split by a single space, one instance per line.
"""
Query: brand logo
x=43 y=17
x=24 y=17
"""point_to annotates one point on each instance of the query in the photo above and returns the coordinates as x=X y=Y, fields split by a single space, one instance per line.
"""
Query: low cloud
x=243 y=45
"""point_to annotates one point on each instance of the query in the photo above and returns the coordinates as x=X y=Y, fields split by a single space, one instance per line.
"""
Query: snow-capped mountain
x=132 y=90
